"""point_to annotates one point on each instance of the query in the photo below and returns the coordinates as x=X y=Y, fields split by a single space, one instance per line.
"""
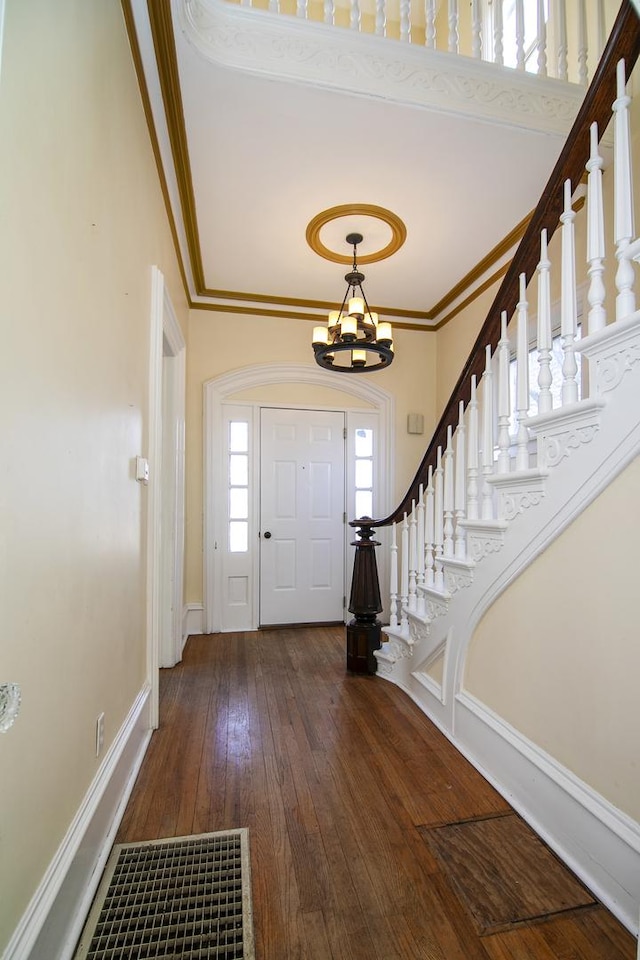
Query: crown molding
x=284 y=47
x=287 y=48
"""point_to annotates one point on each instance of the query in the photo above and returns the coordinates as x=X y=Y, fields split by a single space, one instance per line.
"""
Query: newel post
x=363 y=632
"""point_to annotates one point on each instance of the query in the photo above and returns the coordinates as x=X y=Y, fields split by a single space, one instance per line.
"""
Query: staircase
x=504 y=479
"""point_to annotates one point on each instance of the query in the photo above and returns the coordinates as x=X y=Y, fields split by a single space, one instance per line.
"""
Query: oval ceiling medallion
x=382 y=230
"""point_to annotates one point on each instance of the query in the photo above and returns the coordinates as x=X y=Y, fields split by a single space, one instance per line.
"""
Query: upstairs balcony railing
x=562 y=39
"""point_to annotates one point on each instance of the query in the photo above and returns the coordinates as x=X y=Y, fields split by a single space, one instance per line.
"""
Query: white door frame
x=219 y=390
x=164 y=329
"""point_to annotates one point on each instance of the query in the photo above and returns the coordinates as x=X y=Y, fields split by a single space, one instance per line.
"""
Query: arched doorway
x=231 y=602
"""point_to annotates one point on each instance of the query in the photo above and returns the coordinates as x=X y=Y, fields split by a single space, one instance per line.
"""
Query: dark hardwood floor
x=339 y=779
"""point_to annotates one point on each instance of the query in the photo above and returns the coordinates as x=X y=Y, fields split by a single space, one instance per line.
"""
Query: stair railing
x=453 y=489
x=558 y=41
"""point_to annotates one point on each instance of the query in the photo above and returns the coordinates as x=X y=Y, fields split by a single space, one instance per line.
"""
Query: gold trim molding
x=398 y=231
x=164 y=45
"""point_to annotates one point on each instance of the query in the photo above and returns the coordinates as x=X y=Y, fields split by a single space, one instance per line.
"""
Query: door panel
x=302 y=506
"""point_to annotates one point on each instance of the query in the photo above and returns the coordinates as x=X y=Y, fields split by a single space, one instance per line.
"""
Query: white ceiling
x=267 y=155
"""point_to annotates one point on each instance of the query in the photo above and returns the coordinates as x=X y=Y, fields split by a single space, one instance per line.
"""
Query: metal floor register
x=187 y=898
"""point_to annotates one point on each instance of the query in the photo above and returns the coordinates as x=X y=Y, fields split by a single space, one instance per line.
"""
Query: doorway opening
x=165 y=514
x=249 y=485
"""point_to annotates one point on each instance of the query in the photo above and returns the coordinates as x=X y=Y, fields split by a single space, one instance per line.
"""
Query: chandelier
x=353 y=341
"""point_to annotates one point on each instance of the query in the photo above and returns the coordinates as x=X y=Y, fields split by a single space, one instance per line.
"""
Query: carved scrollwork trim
x=290 y=48
x=610 y=370
x=481 y=547
x=436 y=608
x=555 y=448
x=456 y=579
x=513 y=503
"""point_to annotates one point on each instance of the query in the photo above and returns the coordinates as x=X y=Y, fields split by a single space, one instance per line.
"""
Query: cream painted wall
x=557 y=655
x=219 y=343
x=454 y=342
x=83 y=220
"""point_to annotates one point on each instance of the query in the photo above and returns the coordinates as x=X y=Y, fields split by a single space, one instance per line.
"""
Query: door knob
x=267 y=534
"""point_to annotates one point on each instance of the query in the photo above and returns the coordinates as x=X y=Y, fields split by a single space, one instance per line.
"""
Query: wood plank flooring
x=333 y=775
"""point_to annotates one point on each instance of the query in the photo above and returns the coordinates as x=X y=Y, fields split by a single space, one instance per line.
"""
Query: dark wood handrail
x=623 y=43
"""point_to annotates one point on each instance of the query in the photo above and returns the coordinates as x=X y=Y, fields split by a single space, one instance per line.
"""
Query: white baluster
x=404 y=575
x=498 y=46
x=393 y=580
x=623 y=187
x=405 y=20
x=429 y=531
x=561 y=27
x=583 y=74
x=301 y=9
x=420 y=552
x=460 y=487
x=504 y=398
x=472 y=458
x=487 y=436
x=381 y=18
x=447 y=548
x=453 y=26
x=568 y=306
x=329 y=12
x=412 y=557
x=595 y=237
x=522 y=378
x=354 y=21
x=542 y=40
x=430 y=25
x=545 y=380
x=520 y=34
x=274 y=5
x=476 y=30
x=438 y=516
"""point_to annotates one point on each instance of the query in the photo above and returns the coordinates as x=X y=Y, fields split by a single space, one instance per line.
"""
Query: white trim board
x=192 y=617
x=597 y=841
x=600 y=843
x=53 y=921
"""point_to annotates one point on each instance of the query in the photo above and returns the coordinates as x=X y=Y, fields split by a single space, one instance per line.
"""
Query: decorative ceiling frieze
x=286 y=48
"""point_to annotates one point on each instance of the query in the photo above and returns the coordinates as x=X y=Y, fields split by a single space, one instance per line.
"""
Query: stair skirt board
x=599 y=843
x=182 y=896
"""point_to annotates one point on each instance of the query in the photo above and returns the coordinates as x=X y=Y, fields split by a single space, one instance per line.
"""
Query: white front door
x=302 y=503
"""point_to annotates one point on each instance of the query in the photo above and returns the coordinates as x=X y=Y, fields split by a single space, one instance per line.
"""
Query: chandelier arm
x=349 y=342
x=365 y=300
x=341 y=310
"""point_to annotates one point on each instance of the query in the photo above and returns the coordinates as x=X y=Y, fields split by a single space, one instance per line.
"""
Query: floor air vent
x=184 y=898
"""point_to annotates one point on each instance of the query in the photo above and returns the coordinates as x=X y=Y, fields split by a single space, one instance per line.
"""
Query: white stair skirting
x=595 y=839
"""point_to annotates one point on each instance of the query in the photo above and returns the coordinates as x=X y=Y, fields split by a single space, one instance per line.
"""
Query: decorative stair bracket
x=563 y=430
x=363 y=632
x=518 y=491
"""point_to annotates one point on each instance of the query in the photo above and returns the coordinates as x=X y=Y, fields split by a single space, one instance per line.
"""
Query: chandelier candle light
x=354 y=341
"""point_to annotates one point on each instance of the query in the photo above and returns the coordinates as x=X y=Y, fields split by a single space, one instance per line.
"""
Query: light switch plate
x=142 y=470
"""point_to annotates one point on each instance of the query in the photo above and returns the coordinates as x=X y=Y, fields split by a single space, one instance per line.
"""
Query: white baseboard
x=53 y=921
x=597 y=841
x=192 y=619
